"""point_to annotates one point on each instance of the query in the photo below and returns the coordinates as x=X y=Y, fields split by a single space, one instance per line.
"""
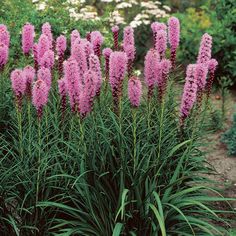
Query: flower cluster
x=4 y=46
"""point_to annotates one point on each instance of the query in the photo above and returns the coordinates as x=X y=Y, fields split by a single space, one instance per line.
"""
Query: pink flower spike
x=94 y=66
x=130 y=52
x=4 y=35
x=88 y=93
x=134 y=91
x=128 y=38
x=212 y=64
x=118 y=67
x=4 y=51
x=74 y=36
x=40 y=96
x=61 y=45
x=173 y=35
x=62 y=87
x=43 y=46
x=204 y=54
x=74 y=84
x=97 y=40
x=189 y=95
x=151 y=70
x=115 y=31
x=45 y=75
x=106 y=53
x=201 y=75
x=46 y=29
x=18 y=83
x=156 y=26
x=47 y=60
x=161 y=42
x=27 y=38
x=29 y=74
x=78 y=53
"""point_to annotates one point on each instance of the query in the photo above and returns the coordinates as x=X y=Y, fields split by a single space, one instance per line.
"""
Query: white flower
x=41 y=6
x=167 y=8
x=135 y=24
x=123 y=5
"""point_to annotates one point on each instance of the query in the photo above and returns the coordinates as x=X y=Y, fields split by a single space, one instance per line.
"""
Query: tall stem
x=134 y=138
x=39 y=160
x=19 y=119
x=29 y=121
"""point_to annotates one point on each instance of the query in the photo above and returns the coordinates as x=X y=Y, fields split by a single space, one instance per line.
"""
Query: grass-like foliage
x=131 y=174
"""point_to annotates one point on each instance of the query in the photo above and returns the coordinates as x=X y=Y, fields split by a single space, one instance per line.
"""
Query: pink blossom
x=190 y=93
x=97 y=40
x=4 y=35
x=88 y=93
x=118 y=67
x=61 y=45
x=156 y=26
x=201 y=75
x=18 y=83
x=115 y=31
x=151 y=70
x=161 y=42
x=47 y=60
x=43 y=46
x=4 y=51
x=27 y=38
x=62 y=87
x=29 y=74
x=174 y=32
x=94 y=66
x=134 y=91
x=74 y=35
x=78 y=53
x=74 y=84
x=204 y=54
x=45 y=75
x=46 y=30
x=40 y=96
x=106 y=53
x=128 y=38
x=212 y=64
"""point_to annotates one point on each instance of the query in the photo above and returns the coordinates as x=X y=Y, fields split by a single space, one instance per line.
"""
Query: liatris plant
x=18 y=82
x=74 y=36
x=115 y=31
x=27 y=38
x=129 y=48
x=43 y=46
x=78 y=53
x=200 y=77
x=46 y=30
x=4 y=35
x=161 y=42
x=212 y=64
x=88 y=93
x=29 y=74
x=60 y=48
x=189 y=95
x=88 y=49
x=156 y=26
x=47 y=61
x=97 y=40
x=44 y=74
x=165 y=66
x=35 y=54
x=40 y=97
x=94 y=65
x=118 y=67
x=204 y=54
x=74 y=84
x=134 y=91
x=107 y=53
x=173 y=36
x=4 y=51
x=62 y=87
x=151 y=70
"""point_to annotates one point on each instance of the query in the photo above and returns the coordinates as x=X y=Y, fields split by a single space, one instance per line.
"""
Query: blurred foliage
x=229 y=138
x=219 y=20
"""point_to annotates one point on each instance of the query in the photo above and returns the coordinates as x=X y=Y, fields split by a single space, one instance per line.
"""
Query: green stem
x=29 y=120
x=39 y=161
x=19 y=118
x=160 y=129
x=134 y=137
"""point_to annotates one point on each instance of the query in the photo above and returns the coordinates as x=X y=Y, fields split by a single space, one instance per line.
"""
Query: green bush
x=229 y=138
